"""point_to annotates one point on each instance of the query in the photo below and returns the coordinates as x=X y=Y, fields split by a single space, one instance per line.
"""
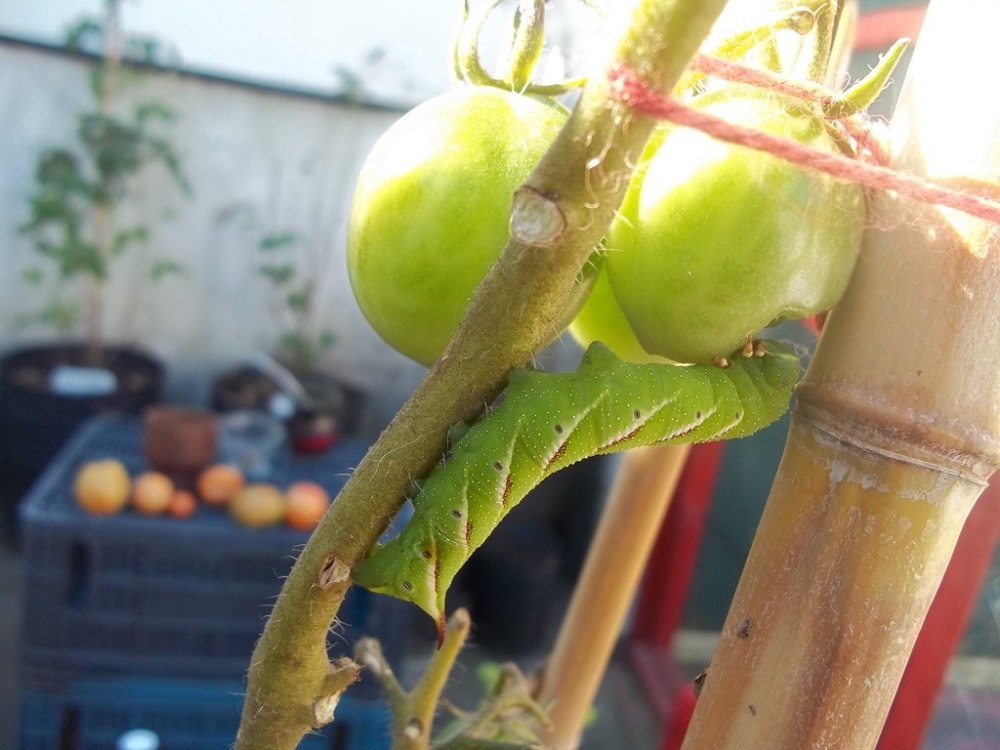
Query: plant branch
x=578 y=185
x=511 y=693
x=413 y=712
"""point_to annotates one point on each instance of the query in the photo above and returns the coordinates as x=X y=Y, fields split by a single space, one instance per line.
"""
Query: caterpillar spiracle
x=548 y=421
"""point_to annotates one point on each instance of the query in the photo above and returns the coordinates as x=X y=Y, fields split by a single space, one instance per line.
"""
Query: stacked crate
x=133 y=621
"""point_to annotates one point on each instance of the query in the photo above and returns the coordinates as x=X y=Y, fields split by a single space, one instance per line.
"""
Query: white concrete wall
x=294 y=159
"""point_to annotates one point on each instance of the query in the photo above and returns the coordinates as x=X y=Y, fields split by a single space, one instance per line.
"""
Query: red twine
x=629 y=89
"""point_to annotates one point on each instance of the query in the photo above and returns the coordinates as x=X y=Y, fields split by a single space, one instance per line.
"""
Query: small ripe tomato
x=431 y=209
x=258 y=505
x=219 y=483
x=305 y=505
x=152 y=492
x=102 y=487
x=182 y=505
x=714 y=242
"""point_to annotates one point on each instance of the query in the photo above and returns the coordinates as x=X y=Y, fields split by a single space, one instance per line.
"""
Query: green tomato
x=431 y=209
x=714 y=242
x=601 y=319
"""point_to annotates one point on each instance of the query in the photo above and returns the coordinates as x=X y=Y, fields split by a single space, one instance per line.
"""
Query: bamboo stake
x=894 y=435
x=639 y=499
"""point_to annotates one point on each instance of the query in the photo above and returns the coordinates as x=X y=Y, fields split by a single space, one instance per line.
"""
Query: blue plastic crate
x=131 y=595
x=92 y=714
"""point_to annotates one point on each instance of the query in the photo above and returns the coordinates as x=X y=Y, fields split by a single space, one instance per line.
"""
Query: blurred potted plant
x=300 y=345
x=289 y=273
x=47 y=390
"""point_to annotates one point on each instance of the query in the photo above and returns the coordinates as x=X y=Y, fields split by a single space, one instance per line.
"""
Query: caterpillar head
x=401 y=572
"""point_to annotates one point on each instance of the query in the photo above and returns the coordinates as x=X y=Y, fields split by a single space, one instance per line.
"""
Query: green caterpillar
x=548 y=421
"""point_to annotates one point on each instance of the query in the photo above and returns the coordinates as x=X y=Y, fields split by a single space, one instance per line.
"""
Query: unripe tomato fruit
x=431 y=209
x=714 y=242
x=601 y=319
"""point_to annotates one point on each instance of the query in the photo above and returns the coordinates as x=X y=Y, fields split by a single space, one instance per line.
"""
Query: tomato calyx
x=525 y=49
x=761 y=40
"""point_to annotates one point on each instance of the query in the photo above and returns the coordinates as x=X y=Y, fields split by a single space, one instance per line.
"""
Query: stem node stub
x=332 y=572
x=536 y=219
x=324 y=708
x=343 y=673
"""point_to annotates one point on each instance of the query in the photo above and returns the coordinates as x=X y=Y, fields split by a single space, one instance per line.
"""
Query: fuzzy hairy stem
x=583 y=177
x=413 y=711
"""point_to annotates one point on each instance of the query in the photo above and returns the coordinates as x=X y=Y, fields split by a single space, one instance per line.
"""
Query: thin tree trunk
x=893 y=437
x=102 y=213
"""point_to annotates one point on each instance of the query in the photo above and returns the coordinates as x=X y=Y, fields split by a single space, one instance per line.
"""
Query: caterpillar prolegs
x=548 y=421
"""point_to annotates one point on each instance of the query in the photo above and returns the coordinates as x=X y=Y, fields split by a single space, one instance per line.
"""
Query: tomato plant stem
x=413 y=712
x=814 y=59
x=584 y=174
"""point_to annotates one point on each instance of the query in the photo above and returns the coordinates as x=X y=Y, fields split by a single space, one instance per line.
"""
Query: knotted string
x=628 y=88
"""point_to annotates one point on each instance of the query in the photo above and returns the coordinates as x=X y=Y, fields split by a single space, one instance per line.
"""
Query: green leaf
x=58 y=170
x=277 y=240
x=277 y=275
x=153 y=111
x=63 y=317
x=33 y=275
x=300 y=351
x=127 y=237
x=299 y=299
x=149 y=50
x=52 y=211
x=116 y=150
x=240 y=210
x=161 y=151
x=164 y=268
x=76 y=256
x=86 y=35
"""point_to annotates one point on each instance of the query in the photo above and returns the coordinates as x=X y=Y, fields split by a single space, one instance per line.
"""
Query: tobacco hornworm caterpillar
x=548 y=421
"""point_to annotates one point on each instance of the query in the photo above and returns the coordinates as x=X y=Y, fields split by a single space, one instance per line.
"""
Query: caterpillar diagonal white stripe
x=548 y=421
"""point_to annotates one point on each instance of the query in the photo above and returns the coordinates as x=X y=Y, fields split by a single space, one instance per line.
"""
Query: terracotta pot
x=180 y=442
